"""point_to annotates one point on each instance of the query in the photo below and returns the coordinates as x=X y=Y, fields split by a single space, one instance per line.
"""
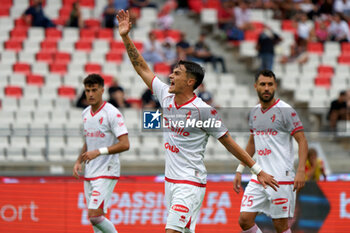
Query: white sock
x=103 y=224
x=253 y=229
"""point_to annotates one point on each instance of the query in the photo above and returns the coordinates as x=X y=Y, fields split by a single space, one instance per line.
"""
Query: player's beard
x=266 y=99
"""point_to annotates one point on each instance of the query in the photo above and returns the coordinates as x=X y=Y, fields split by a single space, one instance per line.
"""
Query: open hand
x=266 y=179
x=299 y=181
x=77 y=169
x=124 y=22
x=237 y=182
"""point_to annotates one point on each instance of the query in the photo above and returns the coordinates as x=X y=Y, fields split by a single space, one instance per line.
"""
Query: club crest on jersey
x=170 y=106
x=294 y=114
x=85 y=119
x=273 y=118
x=188 y=115
x=100 y=120
x=254 y=118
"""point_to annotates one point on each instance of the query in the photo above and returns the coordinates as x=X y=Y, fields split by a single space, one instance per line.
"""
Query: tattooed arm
x=135 y=57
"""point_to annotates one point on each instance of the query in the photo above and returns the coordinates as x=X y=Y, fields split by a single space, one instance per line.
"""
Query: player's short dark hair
x=342 y=93
x=92 y=79
x=194 y=70
x=266 y=73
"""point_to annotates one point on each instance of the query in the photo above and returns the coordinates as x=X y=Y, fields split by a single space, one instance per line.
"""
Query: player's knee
x=96 y=219
x=244 y=222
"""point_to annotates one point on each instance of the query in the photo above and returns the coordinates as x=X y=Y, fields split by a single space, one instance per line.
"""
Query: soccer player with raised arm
x=273 y=125
x=105 y=137
x=185 y=173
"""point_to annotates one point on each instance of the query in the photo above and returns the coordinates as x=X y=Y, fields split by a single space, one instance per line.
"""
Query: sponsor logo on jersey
x=173 y=149
x=95 y=193
x=180 y=208
x=263 y=152
x=266 y=132
x=95 y=134
x=172 y=126
x=120 y=124
x=100 y=120
x=284 y=208
x=296 y=124
x=95 y=201
x=213 y=112
x=280 y=201
x=273 y=118
x=294 y=114
x=119 y=115
x=151 y=119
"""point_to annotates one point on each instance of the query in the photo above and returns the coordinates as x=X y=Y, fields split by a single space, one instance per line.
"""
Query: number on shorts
x=247 y=200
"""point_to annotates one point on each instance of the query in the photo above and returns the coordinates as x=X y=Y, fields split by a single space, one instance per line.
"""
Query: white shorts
x=280 y=204
x=183 y=202
x=98 y=192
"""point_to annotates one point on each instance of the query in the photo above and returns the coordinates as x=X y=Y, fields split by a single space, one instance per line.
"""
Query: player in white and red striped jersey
x=273 y=124
x=105 y=137
x=184 y=145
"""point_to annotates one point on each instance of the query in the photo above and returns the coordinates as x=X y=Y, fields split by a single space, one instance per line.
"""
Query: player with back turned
x=105 y=137
x=273 y=125
x=185 y=173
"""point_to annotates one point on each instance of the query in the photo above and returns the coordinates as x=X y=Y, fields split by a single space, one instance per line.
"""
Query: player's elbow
x=126 y=145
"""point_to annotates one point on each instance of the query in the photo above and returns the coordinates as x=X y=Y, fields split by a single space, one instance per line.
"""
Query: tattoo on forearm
x=133 y=54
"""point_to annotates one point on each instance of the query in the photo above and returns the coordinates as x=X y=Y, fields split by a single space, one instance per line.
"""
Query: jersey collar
x=189 y=101
x=264 y=111
x=99 y=109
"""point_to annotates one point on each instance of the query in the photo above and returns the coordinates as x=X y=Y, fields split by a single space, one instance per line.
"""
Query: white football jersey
x=185 y=143
x=273 y=129
x=101 y=129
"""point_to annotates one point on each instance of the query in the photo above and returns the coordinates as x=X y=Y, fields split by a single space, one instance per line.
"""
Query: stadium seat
x=251 y=35
x=62 y=58
x=19 y=34
x=4 y=12
x=108 y=79
x=162 y=68
x=288 y=25
x=67 y=92
x=31 y=92
x=8 y=57
x=34 y=154
x=87 y=34
x=13 y=91
x=23 y=68
x=117 y=46
x=175 y=35
x=26 y=57
x=159 y=34
x=325 y=70
x=115 y=57
x=58 y=68
x=323 y=82
x=83 y=45
x=315 y=47
x=15 y=153
x=345 y=49
x=36 y=80
x=17 y=80
x=13 y=45
x=53 y=34
x=93 y=68
x=45 y=57
x=105 y=33
x=48 y=46
x=344 y=59
x=92 y=23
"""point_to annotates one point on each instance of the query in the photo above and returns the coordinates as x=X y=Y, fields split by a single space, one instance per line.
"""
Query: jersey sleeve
x=160 y=89
x=117 y=123
x=216 y=126
x=292 y=121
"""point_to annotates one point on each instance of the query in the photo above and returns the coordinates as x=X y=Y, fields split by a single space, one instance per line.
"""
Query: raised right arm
x=135 y=57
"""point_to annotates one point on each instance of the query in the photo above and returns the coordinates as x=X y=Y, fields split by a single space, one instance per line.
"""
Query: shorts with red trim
x=280 y=204
x=183 y=202
x=98 y=192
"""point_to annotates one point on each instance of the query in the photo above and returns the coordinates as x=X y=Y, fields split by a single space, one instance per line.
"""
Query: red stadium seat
x=64 y=12
x=344 y=59
x=37 y=80
x=67 y=92
x=4 y=12
x=6 y=4
x=20 y=23
x=196 y=6
x=62 y=58
x=108 y=79
x=58 y=68
x=19 y=34
x=315 y=47
x=21 y=68
x=87 y=34
x=288 y=25
x=53 y=34
x=68 y=2
x=251 y=35
x=83 y=45
x=345 y=48
x=31 y=2
x=87 y=3
x=162 y=68
x=93 y=68
x=48 y=46
x=259 y=26
x=105 y=33
x=213 y=4
x=117 y=46
x=92 y=23
x=13 y=45
x=175 y=35
x=115 y=57
x=325 y=70
x=323 y=82
x=159 y=34
x=13 y=91
x=46 y=57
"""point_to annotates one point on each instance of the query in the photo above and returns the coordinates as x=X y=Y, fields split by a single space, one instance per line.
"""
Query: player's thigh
x=99 y=193
x=185 y=201
x=254 y=198
x=282 y=203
